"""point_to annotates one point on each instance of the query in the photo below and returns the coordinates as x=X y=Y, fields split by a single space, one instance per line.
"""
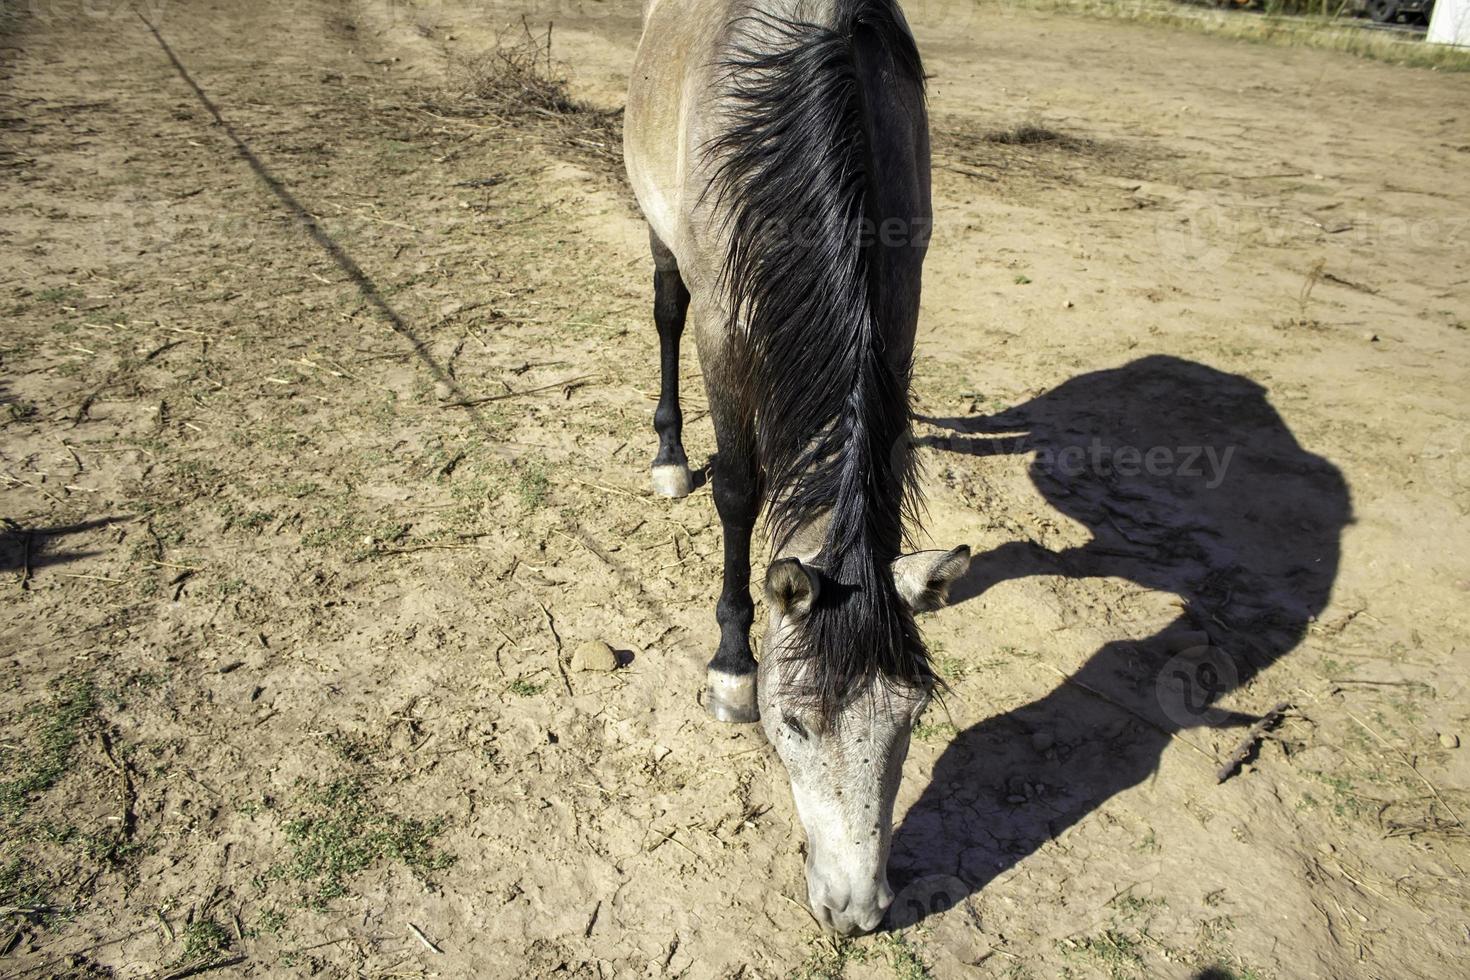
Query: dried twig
x=1408 y=762
x=472 y=402
x=1247 y=744
x=560 y=667
x=194 y=971
x=425 y=939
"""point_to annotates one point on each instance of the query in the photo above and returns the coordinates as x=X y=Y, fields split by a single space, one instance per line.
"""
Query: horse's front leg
x=730 y=686
x=671 y=476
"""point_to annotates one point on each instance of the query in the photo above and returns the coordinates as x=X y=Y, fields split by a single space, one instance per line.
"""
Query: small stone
x=594 y=655
x=1041 y=741
x=442 y=391
x=1449 y=740
x=1015 y=798
x=1370 y=337
x=1067 y=305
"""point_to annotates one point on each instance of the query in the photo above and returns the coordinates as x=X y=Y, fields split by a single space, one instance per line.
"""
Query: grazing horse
x=780 y=152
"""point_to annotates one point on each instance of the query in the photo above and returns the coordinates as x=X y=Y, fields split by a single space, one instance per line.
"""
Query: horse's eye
x=793 y=723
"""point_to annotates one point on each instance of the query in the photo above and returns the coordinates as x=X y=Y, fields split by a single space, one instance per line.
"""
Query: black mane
x=827 y=353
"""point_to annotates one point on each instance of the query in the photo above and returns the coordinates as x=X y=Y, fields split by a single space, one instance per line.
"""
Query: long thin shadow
x=26 y=549
x=345 y=262
x=1232 y=515
x=373 y=296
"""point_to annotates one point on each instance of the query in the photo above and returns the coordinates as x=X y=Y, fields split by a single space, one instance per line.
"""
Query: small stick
x=73 y=453
x=194 y=971
x=472 y=402
x=1247 y=744
x=592 y=920
x=1415 y=769
x=425 y=939
x=560 y=667
x=25 y=561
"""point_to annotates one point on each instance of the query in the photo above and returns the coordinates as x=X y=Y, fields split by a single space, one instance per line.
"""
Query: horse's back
x=671 y=73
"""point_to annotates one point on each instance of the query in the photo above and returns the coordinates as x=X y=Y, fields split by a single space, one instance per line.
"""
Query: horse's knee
x=734 y=499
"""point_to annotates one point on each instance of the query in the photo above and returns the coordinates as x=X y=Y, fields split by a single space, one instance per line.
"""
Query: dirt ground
x=326 y=425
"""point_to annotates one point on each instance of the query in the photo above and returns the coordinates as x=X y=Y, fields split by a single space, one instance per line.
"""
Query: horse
x=779 y=151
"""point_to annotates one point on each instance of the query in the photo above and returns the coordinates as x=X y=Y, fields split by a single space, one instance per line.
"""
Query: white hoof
x=672 y=481
x=730 y=698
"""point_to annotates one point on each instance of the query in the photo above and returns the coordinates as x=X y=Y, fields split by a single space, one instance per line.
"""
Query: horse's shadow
x=1190 y=483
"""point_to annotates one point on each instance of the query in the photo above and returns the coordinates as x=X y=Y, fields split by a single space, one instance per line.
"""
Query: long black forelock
x=794 y=171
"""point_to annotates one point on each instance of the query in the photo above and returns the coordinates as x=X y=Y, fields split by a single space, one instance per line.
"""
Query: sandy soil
x=287 y=630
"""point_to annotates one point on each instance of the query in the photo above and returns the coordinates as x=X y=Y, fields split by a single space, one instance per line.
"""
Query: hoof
x=731 y=698
x=672 y=480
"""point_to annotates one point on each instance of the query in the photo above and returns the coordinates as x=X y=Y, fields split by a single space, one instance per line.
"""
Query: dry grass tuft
x=1026 y=134
x=517 y=83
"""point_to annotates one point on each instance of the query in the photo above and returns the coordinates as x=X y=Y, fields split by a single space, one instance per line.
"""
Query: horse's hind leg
x=670 y=303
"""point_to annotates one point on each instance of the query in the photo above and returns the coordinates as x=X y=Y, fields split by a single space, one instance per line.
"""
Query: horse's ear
x=791 y=587
x=924 y=578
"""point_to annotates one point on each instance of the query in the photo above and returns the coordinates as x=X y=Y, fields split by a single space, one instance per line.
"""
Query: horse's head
x=845 y=764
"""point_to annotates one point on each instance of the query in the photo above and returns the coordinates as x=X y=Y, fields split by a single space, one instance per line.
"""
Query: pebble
x=1015 y=798
x=1041 y=741
x=1449 y=740
x=594 y=655
x=1371 y=337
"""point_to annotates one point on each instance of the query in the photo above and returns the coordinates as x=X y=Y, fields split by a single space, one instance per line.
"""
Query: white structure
x=1450 y=23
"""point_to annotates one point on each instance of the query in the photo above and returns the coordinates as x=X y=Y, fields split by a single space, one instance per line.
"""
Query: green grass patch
x=533 y=486
x=904 y=957
x=22 y=889
x=46 y=744
x=1113 y=952
x=342 y=831
x=59 y=294
x=205 y=941
x=934 y=731
x=951 y=668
